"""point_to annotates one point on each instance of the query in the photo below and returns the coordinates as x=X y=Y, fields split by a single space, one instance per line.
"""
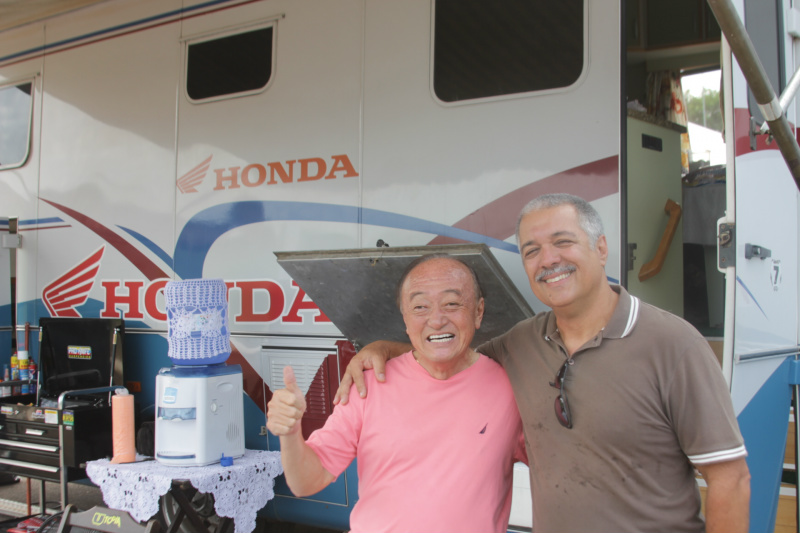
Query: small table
x=239 y=490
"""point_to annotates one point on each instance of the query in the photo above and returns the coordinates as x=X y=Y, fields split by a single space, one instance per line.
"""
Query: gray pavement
x=14 y=497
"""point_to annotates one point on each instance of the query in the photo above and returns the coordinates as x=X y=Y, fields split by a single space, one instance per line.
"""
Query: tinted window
x=229 y=65
x=486 y=48
x=15 y=124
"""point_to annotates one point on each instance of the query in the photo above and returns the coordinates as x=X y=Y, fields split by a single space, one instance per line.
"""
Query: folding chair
x=104 y=520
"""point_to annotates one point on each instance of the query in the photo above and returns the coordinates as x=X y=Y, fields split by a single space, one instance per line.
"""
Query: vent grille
x=234 y=431
x=305 y=369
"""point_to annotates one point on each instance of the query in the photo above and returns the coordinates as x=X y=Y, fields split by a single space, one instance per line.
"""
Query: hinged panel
x=356 y=288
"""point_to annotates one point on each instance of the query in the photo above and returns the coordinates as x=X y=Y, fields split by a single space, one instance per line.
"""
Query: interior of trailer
x=674 y=172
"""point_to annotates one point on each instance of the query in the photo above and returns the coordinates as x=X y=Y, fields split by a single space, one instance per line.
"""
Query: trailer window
x=500 y=47
x=15 y=124
x=234 y=64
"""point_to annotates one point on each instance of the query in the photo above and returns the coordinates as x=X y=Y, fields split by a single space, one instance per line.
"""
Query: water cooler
x=199 y=409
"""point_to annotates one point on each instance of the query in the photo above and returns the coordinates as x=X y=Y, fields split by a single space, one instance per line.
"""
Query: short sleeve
x=492 y=349
x=700 y=407
x=336 y=443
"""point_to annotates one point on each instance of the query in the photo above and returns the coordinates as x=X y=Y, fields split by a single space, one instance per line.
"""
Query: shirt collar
x=625 y=315
x=622 y=321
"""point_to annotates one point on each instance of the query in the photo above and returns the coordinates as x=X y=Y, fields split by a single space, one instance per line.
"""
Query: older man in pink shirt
x=437 y=443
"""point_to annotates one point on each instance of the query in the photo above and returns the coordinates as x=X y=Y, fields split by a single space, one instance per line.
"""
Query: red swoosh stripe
x=139 y=260
x=498 y=219
x=253 y=385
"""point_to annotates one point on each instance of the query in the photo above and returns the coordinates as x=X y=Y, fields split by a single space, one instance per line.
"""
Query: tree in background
x=704 y=109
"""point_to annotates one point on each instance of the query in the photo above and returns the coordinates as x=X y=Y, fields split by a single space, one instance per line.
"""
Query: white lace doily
x=240 y=490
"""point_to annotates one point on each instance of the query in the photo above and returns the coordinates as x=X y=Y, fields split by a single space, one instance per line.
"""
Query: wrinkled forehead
x=438 y=277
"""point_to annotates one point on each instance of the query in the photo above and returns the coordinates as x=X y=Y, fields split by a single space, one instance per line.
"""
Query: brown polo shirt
x=647 y=399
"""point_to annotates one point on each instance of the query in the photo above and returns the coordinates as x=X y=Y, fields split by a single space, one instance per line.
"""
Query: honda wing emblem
x=71 y=290
x=189 y=181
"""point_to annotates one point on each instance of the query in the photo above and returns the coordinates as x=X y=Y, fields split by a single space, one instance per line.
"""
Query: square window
x=501 y=47
x=233 y=64
x=15 y=124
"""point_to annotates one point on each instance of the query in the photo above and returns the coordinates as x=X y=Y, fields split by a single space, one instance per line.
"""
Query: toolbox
x=51 y=434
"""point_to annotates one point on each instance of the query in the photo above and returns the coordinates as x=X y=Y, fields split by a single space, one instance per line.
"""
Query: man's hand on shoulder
x=373 y=356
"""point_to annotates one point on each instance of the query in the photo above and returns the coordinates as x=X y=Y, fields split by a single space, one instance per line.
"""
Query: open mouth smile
x=442 y=337
x=565 y=275
x=559 y=273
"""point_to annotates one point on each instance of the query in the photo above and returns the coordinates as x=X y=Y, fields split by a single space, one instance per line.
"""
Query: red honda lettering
x=261 y=175
x=341 y=163
x=232 y=178
x=150 y=296
x=131 y=299
x=283 y=174
x=276 y=301
x=300 y=303
x=304 y=164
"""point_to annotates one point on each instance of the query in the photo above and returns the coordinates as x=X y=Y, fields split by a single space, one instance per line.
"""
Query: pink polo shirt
x=433 y=455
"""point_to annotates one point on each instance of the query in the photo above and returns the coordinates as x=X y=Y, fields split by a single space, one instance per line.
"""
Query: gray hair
x=428 y=257
x=588 y=217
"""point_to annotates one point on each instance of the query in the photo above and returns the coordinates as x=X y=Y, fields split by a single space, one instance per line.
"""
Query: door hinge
x=726 y=245
x=631 y=256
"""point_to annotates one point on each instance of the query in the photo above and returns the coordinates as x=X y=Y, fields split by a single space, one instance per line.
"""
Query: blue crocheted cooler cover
x=197 y=316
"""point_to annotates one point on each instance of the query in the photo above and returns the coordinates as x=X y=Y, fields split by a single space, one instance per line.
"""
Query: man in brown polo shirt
x=620 y=401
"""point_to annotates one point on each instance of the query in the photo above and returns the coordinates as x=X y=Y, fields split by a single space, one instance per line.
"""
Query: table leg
x=42 y=497
x=188 y=510
x=176 y=521
x=223 y=524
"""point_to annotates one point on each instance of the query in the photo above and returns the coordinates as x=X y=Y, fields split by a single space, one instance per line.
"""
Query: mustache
x=555 y=271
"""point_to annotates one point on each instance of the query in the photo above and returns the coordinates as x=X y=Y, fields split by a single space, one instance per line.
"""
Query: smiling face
x=565 y=272
x=441 y=311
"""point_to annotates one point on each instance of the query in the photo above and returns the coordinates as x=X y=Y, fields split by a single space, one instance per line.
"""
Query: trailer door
x=765 y=318
x=760 y=253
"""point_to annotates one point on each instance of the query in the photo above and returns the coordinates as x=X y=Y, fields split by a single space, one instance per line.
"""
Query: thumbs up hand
x=285 y=409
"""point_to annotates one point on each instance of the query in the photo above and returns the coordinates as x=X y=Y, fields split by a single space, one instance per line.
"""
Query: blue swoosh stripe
x=150 y=245
x=36 y=221
x=740 y=282
x=200 y=233
x=374 y=217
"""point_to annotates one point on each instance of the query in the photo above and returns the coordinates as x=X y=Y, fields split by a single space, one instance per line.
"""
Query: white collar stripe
x=633 y=316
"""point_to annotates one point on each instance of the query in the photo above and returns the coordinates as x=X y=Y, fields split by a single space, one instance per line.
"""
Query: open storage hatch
x=356 y=288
